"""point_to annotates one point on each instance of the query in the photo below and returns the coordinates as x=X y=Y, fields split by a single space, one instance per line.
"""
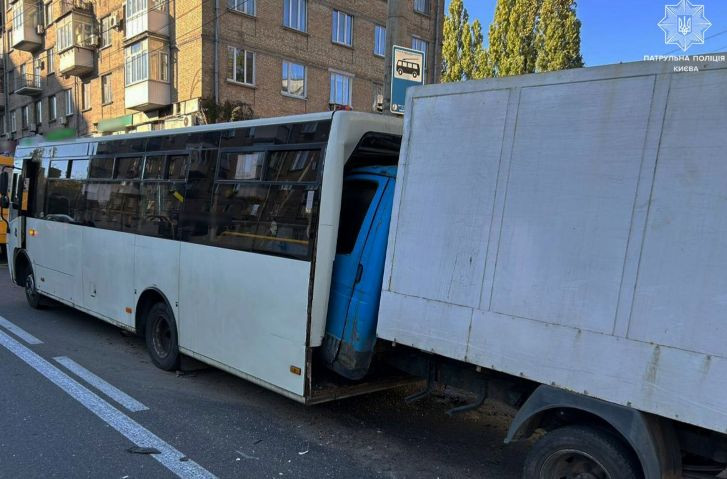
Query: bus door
x=358 y=270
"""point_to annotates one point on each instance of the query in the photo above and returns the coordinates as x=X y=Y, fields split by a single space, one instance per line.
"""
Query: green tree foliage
x=520 y=49
x=558 y=39
x=228 y=111
x=463 y=54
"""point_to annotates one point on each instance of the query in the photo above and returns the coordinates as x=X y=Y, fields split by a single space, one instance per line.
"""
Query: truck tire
x=161 y=337
x=32 y=295
x=581 y=452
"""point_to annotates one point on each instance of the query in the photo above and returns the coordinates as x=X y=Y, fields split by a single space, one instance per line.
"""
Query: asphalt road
x=54 y=423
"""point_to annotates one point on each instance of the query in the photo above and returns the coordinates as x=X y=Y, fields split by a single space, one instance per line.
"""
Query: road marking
x=19 y=332
x=111 y=391
x=135 y=432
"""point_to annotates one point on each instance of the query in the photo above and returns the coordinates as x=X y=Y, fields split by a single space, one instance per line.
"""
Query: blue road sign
x=407 y=69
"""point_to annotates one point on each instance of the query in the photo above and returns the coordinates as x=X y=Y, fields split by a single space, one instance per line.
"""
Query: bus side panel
x=55 y=250
x=247 y=311
x=108 y=273
x=156 y=266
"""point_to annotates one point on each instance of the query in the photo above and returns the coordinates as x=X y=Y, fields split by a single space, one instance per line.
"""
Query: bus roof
x=30 y=144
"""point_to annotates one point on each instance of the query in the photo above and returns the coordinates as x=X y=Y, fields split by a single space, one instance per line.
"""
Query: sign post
x=407 y=69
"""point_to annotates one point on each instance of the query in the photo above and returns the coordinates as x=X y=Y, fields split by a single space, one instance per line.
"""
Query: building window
x=106 y=31
x=419 y=45
x=38 y=112
x=85 y=95
x=421 y=6
x=294 y=79
x=379 y=40
x=243 y=6
x=13 y=121
x=144 y=63
x=25 y=117
x=106 y=95
x=341 y=89
x=378 y=101
x=68 y=94
x=51 y=61
x=52 y=108
x=342 y=28
x=240 y=66
x=295 y=13
x=48 y=13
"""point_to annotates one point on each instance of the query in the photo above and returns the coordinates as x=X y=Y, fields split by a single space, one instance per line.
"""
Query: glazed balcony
x=146 y=16
x=27 y=33
x=76 y=42
x=76 y=61
x=80 y=6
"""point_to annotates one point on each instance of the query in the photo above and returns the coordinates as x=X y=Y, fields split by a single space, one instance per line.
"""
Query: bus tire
x=581 y=451
x=32 y=295
x=161 y=337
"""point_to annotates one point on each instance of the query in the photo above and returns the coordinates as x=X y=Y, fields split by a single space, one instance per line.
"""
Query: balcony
x=147 y=95
x=26 y=30
x=28 y=84
x=151 y=16
x=76 y=61
x=80 y=6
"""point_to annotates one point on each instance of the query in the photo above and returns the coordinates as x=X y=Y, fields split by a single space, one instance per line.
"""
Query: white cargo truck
x=557 y=242
x=571 y=229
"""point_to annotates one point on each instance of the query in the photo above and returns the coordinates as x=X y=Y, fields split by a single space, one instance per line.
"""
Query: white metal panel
x=681 y=295
x=446 y=196
x=108 y=273
x=575 y=167
x=426 y=324
x=667 y=381
x=55 y=251
x=247 y=311
x=156 y=265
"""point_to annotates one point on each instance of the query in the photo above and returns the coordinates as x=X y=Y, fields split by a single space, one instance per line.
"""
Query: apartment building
x=110 y=66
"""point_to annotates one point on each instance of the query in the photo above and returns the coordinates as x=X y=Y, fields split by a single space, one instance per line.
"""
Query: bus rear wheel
x=581 y=452
x=161 y=337
x=35 y=299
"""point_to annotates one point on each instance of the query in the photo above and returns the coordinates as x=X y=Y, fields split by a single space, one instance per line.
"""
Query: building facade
x=110 y=66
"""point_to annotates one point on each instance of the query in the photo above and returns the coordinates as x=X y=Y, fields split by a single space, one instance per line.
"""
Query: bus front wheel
x=35 y=299
x=161 y=337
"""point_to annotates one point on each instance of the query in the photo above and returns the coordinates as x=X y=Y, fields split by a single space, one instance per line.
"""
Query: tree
x=520 y=50
x=499 y=28
x=228 y=111
x=463 y=54
x=558 y=39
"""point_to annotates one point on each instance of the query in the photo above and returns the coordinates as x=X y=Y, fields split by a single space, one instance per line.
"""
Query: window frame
x=333 y=91
x=378 y=41
x=422 y=6
x=301 y=23
x=52 y=108
x=106 y=32
x=50 y=61
x=38 y=112
x=234 y=5
x=68 y=99
x=232 y=66
x=286 y=71
x=107 y=95
x=336 y=17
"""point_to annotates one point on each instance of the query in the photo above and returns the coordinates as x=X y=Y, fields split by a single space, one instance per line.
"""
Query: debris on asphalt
x=247 y=456
x=303 y=453
x=184 y=459
x=143 y=450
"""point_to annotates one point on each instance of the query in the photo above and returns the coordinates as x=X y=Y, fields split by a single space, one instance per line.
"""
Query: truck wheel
x=35 y=299
x=161 y=337
x=581 y=452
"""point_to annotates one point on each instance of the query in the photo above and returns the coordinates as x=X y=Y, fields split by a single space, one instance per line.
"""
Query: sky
x=615 y=31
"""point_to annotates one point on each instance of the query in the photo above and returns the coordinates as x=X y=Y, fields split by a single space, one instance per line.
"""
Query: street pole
x=396 y=34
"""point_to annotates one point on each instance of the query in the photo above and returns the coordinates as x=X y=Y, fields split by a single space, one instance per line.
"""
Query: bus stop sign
x=407 y=67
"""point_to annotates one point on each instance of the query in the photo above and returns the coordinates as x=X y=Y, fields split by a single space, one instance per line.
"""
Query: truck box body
x=570 y=228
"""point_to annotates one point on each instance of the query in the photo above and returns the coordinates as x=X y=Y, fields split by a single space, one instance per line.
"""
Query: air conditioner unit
x=378 y=105
x=114 y=21
x=62 y=121
x=39 y=29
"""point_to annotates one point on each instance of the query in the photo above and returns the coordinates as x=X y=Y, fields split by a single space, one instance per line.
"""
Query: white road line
x=19 y=332
x=135 y=432
x=111 y=391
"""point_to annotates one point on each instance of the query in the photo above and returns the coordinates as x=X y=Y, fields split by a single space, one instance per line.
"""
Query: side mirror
x=4 y=181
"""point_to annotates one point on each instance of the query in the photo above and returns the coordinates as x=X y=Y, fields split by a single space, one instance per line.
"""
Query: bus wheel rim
x=573 y=464
x=162 y=337
x=30 y=286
